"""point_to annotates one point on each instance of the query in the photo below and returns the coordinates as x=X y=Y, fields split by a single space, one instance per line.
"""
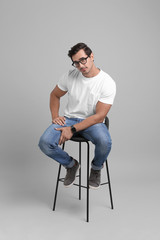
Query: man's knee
x=46 y=145
x=105 y=144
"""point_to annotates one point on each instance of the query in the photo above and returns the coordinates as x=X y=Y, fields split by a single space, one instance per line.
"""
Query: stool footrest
x=104 y=183
x=62 y=180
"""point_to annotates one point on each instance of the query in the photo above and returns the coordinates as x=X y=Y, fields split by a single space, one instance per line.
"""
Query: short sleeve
x=63 y=82
x=108 y=91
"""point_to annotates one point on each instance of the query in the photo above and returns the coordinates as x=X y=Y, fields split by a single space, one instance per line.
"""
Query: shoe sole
x=95 y=188
x=67 y=186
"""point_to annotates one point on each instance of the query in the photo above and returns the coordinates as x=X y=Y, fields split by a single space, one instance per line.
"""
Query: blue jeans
x=98 y=134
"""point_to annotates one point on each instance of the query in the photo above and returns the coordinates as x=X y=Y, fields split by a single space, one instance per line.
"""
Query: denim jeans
x=98 y=134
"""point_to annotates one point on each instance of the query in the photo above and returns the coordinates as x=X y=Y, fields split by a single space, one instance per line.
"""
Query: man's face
x=83 y=68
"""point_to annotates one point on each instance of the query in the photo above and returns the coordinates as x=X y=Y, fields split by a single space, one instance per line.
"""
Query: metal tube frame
x=80 y=185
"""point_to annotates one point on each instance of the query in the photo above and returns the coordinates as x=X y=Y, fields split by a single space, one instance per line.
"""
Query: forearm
x=94 y=119
x=54 y=106
x=102 y=110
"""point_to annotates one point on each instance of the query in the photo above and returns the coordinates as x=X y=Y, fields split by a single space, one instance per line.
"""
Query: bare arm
x=101 y=111
x=55 y=96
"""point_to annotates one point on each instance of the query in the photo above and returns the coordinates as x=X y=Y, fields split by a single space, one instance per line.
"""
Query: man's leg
x=49 y=145
x=99 y=135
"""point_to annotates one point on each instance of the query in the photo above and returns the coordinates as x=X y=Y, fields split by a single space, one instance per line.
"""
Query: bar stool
x=81 y=139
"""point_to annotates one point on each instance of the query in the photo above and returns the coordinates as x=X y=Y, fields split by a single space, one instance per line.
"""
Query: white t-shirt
x=84 y=93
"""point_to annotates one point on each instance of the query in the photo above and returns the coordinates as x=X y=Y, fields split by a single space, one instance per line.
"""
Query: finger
x=61 y=140
x=59 y=122
x=54 y=121
x=63 y=120
x=64 y=140
x=58 y=129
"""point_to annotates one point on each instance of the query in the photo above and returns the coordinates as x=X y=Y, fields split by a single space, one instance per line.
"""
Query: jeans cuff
x=96 y=167
x=71 y=164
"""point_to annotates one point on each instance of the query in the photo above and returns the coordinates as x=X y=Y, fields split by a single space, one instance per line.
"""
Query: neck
x=92 y=73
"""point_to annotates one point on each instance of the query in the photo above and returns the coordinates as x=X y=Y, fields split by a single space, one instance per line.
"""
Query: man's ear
x=92 y=56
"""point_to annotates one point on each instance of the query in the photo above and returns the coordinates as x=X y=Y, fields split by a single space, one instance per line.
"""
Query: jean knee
x=42 y=144
x=105 y=145
x=45 y=145
x=109 y=143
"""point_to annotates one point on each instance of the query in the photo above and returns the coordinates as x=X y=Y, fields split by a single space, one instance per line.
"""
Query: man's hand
x=66 y=134
x=59 y=121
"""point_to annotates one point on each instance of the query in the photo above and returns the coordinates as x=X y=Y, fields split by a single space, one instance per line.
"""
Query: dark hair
x=78 y=47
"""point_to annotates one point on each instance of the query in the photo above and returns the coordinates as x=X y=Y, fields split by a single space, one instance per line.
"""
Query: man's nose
x=81 y=65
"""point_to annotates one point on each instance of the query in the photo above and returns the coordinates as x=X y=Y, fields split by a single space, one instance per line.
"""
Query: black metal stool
x=81 y=139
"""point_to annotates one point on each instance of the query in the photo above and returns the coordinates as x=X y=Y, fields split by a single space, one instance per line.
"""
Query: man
x=91 y=93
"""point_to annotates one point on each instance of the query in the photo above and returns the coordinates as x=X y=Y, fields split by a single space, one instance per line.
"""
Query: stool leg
x=87 y=182
x=80 y=171
x=55 y=197
x=109 y=184
x=59 y=171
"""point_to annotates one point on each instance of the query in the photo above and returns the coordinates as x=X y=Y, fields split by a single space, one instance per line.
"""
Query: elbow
x=99 y=118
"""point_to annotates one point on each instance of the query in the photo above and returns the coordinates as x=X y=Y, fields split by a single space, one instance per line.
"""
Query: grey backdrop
x=35 y=38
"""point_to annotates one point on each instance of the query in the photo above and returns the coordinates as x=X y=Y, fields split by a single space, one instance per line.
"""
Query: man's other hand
x=59 y=121
x=66 y=134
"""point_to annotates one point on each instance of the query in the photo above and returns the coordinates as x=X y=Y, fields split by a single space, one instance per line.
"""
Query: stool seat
x=78 y=138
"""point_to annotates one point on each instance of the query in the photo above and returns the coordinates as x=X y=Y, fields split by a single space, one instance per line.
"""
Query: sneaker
x=95 y=178
x=71 y=174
